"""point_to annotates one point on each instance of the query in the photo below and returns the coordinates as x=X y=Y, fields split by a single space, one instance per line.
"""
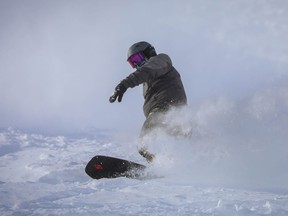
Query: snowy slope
x=234 y=164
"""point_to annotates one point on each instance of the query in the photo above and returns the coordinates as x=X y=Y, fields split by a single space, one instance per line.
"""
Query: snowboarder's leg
x=153 y=121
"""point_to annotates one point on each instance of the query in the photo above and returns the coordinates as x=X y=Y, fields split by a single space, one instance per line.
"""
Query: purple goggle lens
x=136 y=59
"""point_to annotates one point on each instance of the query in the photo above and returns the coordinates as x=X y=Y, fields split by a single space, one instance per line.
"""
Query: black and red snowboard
x=109 y=167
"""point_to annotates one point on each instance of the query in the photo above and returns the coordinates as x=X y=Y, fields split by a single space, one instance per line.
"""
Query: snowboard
x=110 y=167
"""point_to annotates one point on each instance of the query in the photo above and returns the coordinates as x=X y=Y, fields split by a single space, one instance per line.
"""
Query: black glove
x=118 y=93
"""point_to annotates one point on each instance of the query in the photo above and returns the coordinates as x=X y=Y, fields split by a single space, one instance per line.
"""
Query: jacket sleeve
x=155 y=67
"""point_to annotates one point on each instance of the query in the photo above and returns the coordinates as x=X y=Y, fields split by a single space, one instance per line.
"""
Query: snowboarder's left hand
x=118 y=93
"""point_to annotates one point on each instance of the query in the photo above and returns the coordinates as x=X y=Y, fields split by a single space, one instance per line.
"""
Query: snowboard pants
x=154 y=120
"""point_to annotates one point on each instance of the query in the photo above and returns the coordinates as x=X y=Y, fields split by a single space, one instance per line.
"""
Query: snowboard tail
x=109 y=167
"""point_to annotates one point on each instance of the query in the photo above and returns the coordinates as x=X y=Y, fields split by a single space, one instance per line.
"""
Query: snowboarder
x=162 y=86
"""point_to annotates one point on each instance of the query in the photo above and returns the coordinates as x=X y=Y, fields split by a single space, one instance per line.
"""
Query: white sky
x=60 y=60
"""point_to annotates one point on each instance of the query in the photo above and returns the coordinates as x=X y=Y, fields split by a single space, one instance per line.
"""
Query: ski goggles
x=136 y=60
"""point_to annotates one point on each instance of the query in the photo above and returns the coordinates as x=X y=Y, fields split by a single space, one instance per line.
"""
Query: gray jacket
x=162 y=85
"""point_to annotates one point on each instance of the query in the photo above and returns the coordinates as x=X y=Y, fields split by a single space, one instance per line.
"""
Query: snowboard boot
x=147 y=155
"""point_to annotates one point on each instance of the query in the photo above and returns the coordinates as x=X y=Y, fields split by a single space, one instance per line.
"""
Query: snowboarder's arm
x=155 y=67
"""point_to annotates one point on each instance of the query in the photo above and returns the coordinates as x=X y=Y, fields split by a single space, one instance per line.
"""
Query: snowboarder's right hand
x=118 y=93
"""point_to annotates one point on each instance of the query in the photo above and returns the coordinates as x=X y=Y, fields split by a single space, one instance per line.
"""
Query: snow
x=234 y=164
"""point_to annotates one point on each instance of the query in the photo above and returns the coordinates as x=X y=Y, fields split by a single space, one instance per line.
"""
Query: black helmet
x=144 y=47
